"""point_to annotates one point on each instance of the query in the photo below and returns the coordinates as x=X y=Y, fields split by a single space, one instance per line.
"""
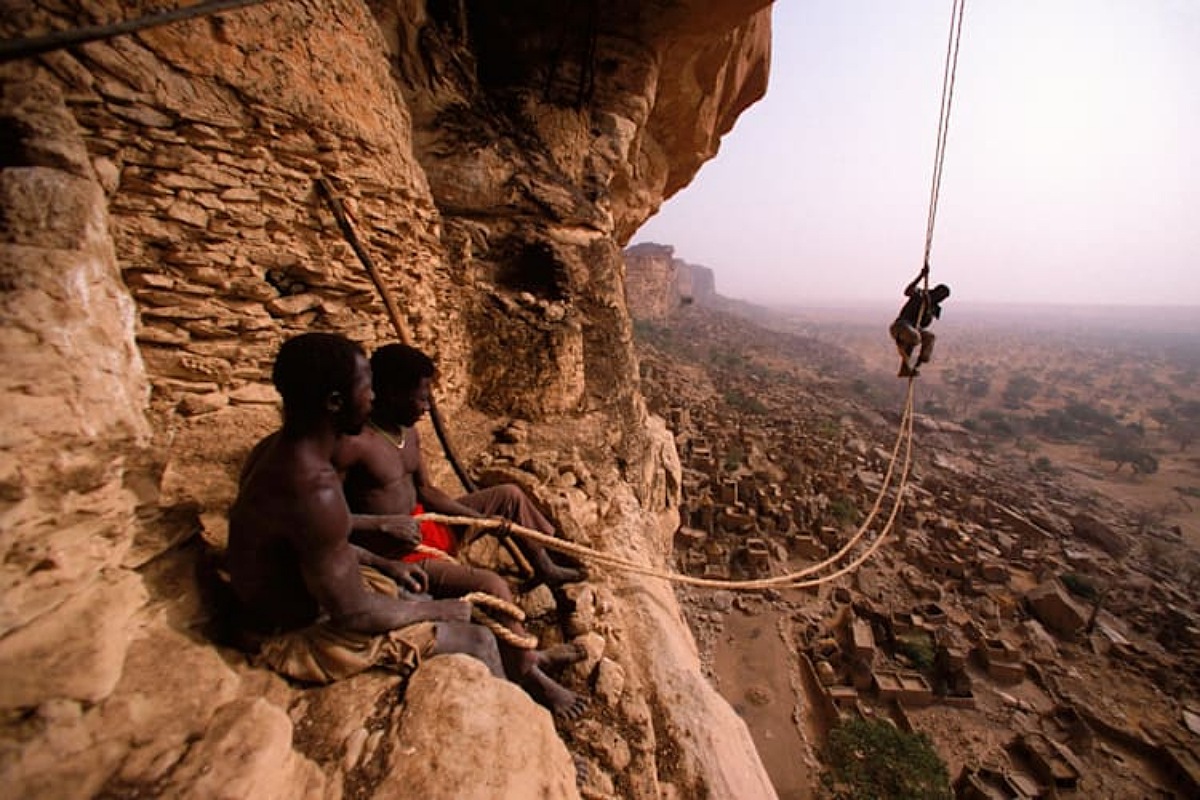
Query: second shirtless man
x=386 y=475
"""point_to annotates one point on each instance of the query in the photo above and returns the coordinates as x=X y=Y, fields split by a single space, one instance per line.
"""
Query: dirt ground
x=756 y=672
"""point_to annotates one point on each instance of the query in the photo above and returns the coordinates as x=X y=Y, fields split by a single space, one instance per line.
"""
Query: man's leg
x=469 y=639
x=522 y=666
x=510 y=502
x=906 y=338
x=927 y=340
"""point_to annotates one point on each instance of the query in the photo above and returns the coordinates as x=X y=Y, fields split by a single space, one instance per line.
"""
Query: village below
x=1031 y=619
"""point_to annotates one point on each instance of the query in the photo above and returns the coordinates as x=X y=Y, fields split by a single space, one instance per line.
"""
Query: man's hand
x=401 y=527
x=409 y=577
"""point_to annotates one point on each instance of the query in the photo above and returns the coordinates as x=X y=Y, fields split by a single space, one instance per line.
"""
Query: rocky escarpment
x=657 y=283
x=160 y=236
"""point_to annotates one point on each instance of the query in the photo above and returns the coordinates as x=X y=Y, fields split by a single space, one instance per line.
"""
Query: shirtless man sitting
x=386 y=475
x=321 y=608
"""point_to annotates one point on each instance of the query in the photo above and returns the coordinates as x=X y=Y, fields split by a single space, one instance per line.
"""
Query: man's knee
x=927 y=340
x=510 y=494
x=494 y=585
x=905 y=335
x=468 y=639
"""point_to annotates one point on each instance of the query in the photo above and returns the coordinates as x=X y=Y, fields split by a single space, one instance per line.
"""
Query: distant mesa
x=657 y=284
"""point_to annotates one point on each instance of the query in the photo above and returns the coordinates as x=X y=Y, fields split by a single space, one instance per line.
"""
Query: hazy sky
x=1072 y=170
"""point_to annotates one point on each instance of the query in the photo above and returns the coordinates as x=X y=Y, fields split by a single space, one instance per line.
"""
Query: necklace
x=398 y=445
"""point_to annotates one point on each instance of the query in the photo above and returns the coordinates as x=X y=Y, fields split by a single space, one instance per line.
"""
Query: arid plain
x=1055 y=451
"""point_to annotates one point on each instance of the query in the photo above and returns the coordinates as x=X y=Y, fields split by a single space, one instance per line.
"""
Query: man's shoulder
x=354 y=449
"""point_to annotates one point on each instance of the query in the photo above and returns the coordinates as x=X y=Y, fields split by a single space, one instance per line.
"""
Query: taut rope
x=949 y=72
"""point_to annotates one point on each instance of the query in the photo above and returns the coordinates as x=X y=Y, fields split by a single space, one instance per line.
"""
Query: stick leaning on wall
x=338 y=209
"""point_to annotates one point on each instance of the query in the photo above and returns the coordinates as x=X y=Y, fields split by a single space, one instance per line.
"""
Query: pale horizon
x=1072 y=167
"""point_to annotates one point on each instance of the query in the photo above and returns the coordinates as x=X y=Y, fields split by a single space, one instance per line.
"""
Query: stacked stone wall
x=221 y=235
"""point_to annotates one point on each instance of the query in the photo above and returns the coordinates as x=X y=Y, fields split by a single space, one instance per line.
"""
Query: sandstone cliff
x=160 y=236
x=657 y=283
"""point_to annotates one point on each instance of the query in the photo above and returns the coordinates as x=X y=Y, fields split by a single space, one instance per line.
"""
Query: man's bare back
x=276 y=486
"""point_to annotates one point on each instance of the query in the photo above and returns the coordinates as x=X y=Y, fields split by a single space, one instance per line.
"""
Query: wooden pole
x=343 y=220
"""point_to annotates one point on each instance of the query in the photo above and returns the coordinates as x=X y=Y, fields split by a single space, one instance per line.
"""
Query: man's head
x=402 y=376
x=939 y=292
x=323 y=376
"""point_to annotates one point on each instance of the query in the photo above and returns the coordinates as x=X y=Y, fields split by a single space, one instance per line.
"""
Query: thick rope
x=440 y=555
x=496 y=604
x=949 y=73
x=789 y=580
x=482 y=602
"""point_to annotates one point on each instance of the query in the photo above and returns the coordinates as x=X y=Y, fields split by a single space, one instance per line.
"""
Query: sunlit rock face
x=160 y=235
x=657 y=283
x=549 y=133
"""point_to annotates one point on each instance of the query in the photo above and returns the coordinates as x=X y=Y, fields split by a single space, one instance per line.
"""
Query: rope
x=949 y=72
x=789 y=580
x=12 y=49
x=440 y=555
x=482 y=600
x=496 y=604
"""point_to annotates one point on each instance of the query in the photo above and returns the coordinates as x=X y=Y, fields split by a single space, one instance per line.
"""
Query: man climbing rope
x=911 y=325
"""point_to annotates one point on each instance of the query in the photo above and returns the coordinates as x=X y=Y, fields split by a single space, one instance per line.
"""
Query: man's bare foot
x=562 y=702
x=560 y=655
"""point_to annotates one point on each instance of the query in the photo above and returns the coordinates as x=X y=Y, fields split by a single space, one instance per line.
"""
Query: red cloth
x=433 y=534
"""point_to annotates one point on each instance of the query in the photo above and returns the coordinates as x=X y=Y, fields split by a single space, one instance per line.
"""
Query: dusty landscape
x=1034 y=611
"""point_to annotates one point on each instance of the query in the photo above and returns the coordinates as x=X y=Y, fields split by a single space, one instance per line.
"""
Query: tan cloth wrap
x=321 y=653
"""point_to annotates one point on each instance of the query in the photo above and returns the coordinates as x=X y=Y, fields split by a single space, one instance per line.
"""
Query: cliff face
x=160 y=236
x=657 y=283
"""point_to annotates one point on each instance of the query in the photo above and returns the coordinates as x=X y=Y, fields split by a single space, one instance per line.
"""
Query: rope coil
x=482 y=603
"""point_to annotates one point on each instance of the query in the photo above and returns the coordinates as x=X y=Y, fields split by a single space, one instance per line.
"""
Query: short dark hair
x=399 y=368
x=939 y=292
x=312 y=366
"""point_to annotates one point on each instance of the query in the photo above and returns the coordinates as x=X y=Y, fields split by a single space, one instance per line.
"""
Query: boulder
x=1100 y=533
x=464 y=734
x=1053 y=606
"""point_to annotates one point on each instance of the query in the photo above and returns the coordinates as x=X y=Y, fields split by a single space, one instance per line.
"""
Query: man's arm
x=430 y=496
x=912 y=287
x=330 y=568
x=401 y=527
x=409 y=577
